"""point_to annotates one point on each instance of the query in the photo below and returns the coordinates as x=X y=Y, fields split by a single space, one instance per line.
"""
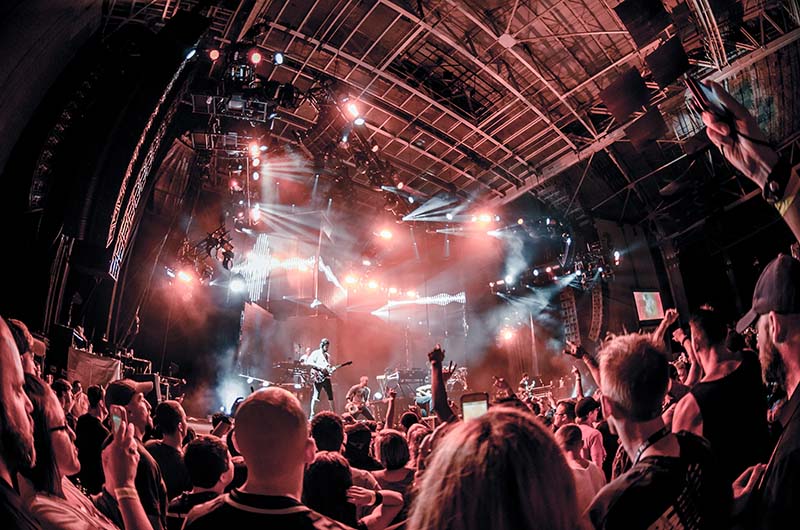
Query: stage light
x=378 y=395
x=578 y=272
x=385 y=234
x=536 y=272
x=263 y=147
x=353 y=110
x=213 y=55
x=359 y=121
x=400 y=185
x=184 y=276
x=366 y=263
x=235 y=186
x=255 y=213
x=375 y=148
x=298 y=386
x=254 y=150
x=520 y=221
x=350 y=280
x=547 y=222
x=485 y=218
x=497 y=218
x=392 y=290
x=277 y=58
x=507 y=334
x=600 y=269
x=491 y=284
x=509 y=279
x=238 y=285
x=569 y=241
x=255 y=57
x=411 y=294
x=449 y=217
x=264 y=384
x=549 y=269
x=411 y=200
x=345 y=136
x=372 y=284
x=191 y=54
x=241 y=203
x=256 y=176
x=256 y=162
x=249 y=380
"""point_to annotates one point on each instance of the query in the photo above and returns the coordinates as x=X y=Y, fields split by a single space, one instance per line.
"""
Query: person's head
x=503 y=471
x=358 y=440
x=272 y=435
x=776 y=305
x=16 y=426
x=209 y=463
x=709 y=330
x=408 y=419
x=96 y=397
x=25 y=345
x=63 y=391
x=415 y=435
x=56 y=454
x=324 y=344
x=392 y=449
x=77 y=387
x=364 y=380
x=570 y=439
x=565 y=413
x=325 y=487
x=171 y=419
x=130 y=395
x=587 y=409
x=327 y=430
x=633 y=376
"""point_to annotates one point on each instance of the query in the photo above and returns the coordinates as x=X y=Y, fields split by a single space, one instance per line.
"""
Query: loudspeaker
x=58 y=353
x=154 y=396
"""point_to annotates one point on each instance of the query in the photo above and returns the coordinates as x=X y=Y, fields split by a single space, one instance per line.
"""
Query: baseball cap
x=585 y=406
x=121 y=391
x=777 y=289
x=324 y=341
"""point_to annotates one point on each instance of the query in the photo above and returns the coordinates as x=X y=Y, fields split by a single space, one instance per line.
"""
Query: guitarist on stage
x=320 y=361
x=358 y=395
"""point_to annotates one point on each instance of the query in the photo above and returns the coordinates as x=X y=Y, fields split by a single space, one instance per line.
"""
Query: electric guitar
x=319 y=375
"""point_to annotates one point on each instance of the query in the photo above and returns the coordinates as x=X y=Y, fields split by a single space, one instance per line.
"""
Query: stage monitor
x=648 y=305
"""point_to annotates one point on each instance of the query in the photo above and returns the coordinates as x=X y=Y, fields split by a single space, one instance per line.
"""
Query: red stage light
x=235 y=186
x=254 y=150
x=372 y=284
x=353 y=110
x=184 y=276
x=255 y=57
x=400 y=185
x=485 y=218
x=214 y=55
x=350 y=280
x=385 y=234
x=508 y=334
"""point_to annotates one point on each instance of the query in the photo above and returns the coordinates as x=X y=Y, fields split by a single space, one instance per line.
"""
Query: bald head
x=271 y=431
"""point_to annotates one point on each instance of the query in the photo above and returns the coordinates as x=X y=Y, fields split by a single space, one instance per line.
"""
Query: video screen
x=473 y=409
x=648 y=305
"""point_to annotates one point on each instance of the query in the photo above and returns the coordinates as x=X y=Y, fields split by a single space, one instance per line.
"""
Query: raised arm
x=695 y=369
x=389 y=423
x=120 y=460
x=438 y=389
x=578 y=383
x=670 y=316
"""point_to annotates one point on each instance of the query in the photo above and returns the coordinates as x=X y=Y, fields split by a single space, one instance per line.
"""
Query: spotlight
x=578 y=272
x=353 y=110
x=372 y=284
x=277 y=58
x=411 y=200
x=375 y=149
x=385 y=234
x=191 y=54
x=392 y=290
x=256 y=162
x=359 y=121
x=262 y=148
x=507 y=334
x=600 y=269
x=378 y=395
x=345 y=137
x=400 y=185
x=549 y=269
x=237 y=284
x=509 y=279
x=366 y=263
x=184 y=276
x=213 y=55
x=536 y=272
x=249 y=380
x=254 y=150
x=255 y=57
x=484 y=218
x=264 y=384
x=350 y=280
x=520 y=221
x=170 y=273
x=497 y=218
x=256 y=175
x=449 y=217
x=411 y=294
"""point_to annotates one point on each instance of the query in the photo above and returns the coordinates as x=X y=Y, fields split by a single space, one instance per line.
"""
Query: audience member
x=407 y=420
x=328 y=489
x=357 y=448
x=414 y=436
x=80 y=402
x=25 y=345
x=589 y=479
x=272 y=434
x=503 y=471
x=149 y=483
x=90 y=433
x=564 y=414
x=327 y=430
x=63 y=391
x=16 y=433
x=210 y=467
x=728 y=407
x=585 y=417
x=392 y=449
x=170 y=419
x=674 y=481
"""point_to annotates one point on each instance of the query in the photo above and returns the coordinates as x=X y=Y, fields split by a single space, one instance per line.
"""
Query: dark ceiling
x=501 y=101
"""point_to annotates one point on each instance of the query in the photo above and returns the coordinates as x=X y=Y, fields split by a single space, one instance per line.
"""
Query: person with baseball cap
x=767 y=495
x=150 y=485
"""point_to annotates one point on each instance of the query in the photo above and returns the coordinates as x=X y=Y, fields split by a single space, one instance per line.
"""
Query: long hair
x=503 y=471
x=325 y=487
x=44 y=474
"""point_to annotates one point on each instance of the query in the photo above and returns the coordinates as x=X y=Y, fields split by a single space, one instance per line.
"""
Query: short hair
x=712 y=326
x=392 y=449
x=206 y=458
x=569 y=437
x=96 y=395
x=61 y=387
x=168 y=416
x=44 y=474
x=585 y=406
x=325 y=485
x=633 y=375
x=358 y=436
x=408 y=419
x=22 y=336
x=75 y=384
x=271 y=431
x=327 y=429
x=569 y=408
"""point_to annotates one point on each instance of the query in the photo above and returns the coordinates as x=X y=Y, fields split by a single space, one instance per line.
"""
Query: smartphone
x=706 y=100
x=118 y=415
x=474 y=404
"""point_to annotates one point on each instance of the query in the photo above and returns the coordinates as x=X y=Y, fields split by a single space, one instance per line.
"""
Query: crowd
x=697 y=443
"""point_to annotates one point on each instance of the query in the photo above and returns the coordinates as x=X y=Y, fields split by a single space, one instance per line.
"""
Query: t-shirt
x=685 y=492
x=90 y=433
x=588 y=482
x=358 y=394
x=401 y=486
x=73 y=512
x=183 y=504
x=173 y=470
x=246 y=510
x=13 y=513
x=592 y=444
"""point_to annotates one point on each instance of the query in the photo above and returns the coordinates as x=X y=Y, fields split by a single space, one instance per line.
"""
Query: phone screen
x=473 y=409
x=116 y=421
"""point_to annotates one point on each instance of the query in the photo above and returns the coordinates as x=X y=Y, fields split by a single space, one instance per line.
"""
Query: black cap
x=122 y=391
x=777 y=289
x=585 y=406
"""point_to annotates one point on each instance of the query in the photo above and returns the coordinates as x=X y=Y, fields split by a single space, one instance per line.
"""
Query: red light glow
x=255 y=57
x=214 y=55
x=385 y=234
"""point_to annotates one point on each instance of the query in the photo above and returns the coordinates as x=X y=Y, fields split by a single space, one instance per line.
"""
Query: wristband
x=125 y=493
x=775 y=186
x=378 y=499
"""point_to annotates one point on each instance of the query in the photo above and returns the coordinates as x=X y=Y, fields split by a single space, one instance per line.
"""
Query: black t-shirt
x=183 y=504
x=90 y=434
x=173 y=470
x=13 y=513
x=245 y=510
x=686 y=492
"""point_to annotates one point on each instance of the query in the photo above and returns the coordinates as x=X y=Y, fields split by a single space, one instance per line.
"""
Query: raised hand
x=392 y=393
x=120 y=458
x=574 y=350
x=670 y=316
x=448 y=372
x=679 y=336
x=575 y=371
x=436 y=355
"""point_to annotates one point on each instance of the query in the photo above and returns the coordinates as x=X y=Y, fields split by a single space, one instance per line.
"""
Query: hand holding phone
x=118 y=416
x=474 y=404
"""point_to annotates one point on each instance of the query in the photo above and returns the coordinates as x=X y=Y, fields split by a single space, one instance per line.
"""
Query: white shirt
x=587 y=483
x=318 y=358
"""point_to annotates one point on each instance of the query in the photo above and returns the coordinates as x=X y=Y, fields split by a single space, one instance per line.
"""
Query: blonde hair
x=503 y=471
